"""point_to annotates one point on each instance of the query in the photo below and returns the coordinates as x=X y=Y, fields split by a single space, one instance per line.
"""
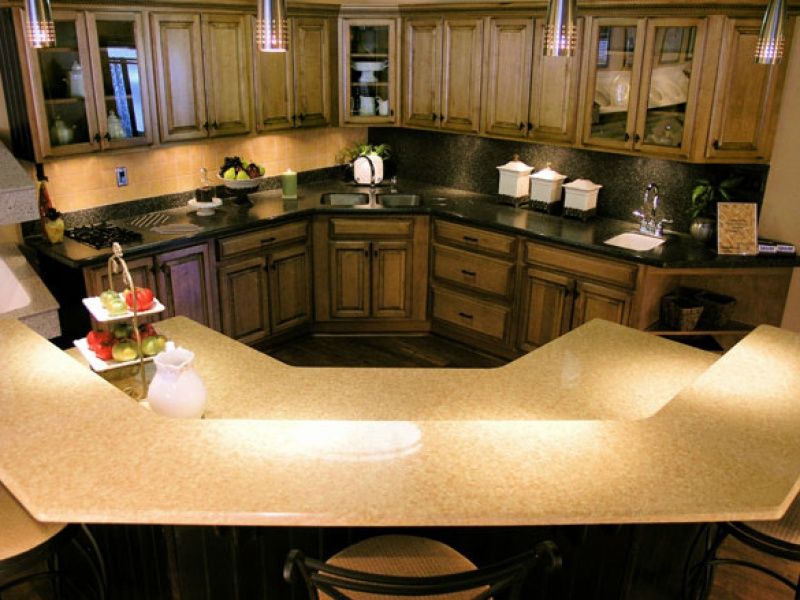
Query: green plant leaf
x=698 y=192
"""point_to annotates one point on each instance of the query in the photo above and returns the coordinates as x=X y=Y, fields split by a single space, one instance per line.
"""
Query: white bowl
x=369 y=65
x=241 y=184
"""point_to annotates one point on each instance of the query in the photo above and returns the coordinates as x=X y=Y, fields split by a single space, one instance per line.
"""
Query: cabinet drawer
x=343 y=227
x=474 y=271
x=472 y=237
x=271 y=236
x=470 y=313
x=593 y=267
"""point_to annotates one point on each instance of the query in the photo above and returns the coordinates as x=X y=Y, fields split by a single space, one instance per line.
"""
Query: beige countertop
x=604 y=425
x=41 y=311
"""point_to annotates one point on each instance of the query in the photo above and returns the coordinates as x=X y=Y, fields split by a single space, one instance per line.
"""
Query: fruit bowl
x=242 y=184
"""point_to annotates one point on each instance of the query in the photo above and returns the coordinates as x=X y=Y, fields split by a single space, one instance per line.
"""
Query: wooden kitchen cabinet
x=746 y=97
x=371 y=272
x=562 y=289
x=91 y=91
x=183 y=281
x=265 y=282
x=293 y=89
x=526 y=94
x=203 y=75
x=442 y=73
x=642 y=84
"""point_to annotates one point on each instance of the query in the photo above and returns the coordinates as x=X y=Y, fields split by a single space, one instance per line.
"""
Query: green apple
x=261 y=170
x=107 y=297
x=153 y=344
x=229 y=174
x=122 y=331
x=117 y=306
x=124 y=351
x=242 y=175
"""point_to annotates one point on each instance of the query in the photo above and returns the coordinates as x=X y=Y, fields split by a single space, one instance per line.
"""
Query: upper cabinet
x=442 y=73
x=203 y=75
x=369 y=71
x=746 y=96
x=642 y=84
x=90 y=91
x=293 y=89
x=526 y=94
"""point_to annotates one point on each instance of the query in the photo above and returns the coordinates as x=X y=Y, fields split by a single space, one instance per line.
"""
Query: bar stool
x=402 y=566
x=30 y=552
x=780 y=539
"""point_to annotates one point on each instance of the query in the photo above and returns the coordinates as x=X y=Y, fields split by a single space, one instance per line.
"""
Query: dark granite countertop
x=679 y=251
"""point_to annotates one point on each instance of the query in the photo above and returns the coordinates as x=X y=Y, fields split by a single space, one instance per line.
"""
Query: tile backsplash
x=90 y=181
x=470 y=162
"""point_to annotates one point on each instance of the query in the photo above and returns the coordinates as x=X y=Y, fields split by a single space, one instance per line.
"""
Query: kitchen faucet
x=649 y=223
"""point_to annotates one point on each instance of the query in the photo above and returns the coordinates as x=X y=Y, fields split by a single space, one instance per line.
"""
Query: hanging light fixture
x=560 y=28
x=771 y=38
x=40 y=31
x=272 y=28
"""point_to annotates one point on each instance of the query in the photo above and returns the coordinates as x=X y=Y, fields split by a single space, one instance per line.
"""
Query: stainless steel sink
x=344 y=199
x=399 y=200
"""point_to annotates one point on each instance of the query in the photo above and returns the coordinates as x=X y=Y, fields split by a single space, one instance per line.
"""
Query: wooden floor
x=432 y=351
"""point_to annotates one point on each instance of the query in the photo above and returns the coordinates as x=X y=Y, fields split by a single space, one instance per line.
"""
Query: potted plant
x=364 y=162
x=703 y=205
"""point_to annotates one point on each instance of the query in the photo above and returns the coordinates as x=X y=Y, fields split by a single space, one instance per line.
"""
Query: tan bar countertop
x=604 y=425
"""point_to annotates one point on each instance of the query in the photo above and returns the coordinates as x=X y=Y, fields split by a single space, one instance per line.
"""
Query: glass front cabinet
x=643 y=77
x=89 y=91
x=369 y=71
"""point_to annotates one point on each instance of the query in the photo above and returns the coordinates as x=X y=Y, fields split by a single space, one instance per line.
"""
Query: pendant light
x=560 y=29
x=272 y=28
x=40 y=31
x=771 y=38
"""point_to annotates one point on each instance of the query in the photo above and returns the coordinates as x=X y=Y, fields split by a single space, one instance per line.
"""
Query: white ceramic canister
x=176 y=389
x=514 y=180
x=546 y=185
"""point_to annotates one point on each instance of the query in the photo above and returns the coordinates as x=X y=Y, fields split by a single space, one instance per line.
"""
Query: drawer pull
x=268 y=240
x=465 y=315
x=468 y=273
x=470 y=239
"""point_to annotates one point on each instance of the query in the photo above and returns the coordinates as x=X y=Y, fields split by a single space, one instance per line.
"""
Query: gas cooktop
x=102 y=235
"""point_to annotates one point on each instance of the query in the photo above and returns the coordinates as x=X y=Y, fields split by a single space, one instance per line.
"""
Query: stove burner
x=102 y=235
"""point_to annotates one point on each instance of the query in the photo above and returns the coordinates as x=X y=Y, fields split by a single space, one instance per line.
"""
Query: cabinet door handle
x=471 y=240
x=715 y=144
x=391 y=112
x=97 y=138
x=205 y=125
x=375 y=253
x=165 y=269
x=366 y=252
x=434 y=116
x=107 y=136
x=465 y=315
x=636 y=138
x=300 y=117
x=530 y=125
x=268 y=240
x=627 y=136
x=521 y=126
x=468 y=273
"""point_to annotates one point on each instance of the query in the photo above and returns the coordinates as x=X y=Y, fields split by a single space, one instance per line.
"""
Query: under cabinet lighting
x=560 y=29
x=272 y=27
x=40 y=31
x=771 y=38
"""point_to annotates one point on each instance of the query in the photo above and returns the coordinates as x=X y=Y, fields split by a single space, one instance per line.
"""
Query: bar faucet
x=649 y=223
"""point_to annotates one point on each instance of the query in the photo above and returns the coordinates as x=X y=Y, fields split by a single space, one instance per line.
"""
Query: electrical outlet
x=122 y=176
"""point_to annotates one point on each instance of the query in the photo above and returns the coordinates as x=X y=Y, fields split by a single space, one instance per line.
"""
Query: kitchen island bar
x=604 y=425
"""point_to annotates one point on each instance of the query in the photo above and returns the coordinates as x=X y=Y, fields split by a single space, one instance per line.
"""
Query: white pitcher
x=176 y=389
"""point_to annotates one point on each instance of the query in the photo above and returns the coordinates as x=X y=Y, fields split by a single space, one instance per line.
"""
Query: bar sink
x=399 y=200
x=635 y=241
x=344 y=199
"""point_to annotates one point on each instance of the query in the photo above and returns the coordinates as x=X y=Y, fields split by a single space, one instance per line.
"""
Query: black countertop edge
x=680 y=251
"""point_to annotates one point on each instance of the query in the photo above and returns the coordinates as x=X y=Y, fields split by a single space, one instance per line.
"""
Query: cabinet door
x=507 y=80
x=274 y=89
x=461 y=74
x=554 y=92
x=180 y=85
x=612 y=82
x=186 y=284
x=290 y=288
x=312 y=79
x=391 y=279
x=349 y=279
x=422 y=75
x=141 y=270
x=746 y=97
x=670 y=81
x=546 y=307
x=62 y=91
x=243 y=298
x=121 y=81
x=226 y=58
x=594 y=301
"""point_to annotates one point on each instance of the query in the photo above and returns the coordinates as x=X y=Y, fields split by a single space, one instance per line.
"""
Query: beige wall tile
x=87 y=181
